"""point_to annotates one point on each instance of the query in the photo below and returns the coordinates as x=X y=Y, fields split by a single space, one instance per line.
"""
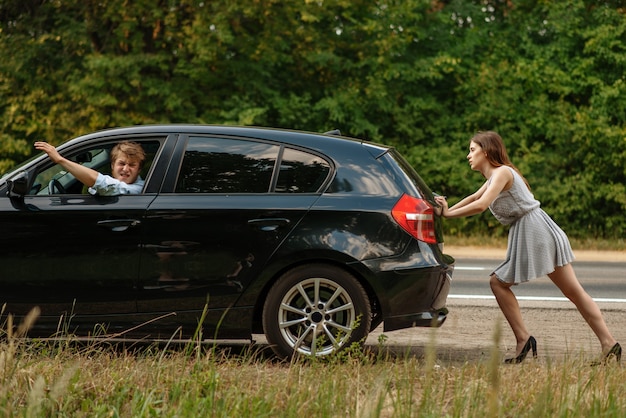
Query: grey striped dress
x=536 y=244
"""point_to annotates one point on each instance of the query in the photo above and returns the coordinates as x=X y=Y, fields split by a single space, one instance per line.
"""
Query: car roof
x=320 y=141
x=329 y=144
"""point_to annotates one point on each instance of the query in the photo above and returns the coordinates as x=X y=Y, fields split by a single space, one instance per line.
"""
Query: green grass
x=68 y=379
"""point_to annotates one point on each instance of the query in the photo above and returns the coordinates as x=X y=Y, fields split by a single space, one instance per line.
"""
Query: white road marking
x=536 y=298
x=470 y=268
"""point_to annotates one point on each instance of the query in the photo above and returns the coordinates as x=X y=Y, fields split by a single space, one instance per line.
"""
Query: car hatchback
x=311 y=239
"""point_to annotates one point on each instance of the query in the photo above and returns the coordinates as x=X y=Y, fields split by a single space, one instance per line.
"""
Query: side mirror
x=17 y=186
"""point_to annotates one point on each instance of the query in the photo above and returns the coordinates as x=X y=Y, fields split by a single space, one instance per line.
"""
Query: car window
x=222 y=165
x=301 y=172
x=55 y=180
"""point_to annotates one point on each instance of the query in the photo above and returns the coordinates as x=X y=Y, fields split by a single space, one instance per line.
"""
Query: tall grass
x=99 y=380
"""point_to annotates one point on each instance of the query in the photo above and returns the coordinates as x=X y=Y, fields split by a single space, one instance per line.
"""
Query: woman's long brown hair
x=492 y=144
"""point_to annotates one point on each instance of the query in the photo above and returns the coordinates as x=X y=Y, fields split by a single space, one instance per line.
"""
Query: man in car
x=127 y=159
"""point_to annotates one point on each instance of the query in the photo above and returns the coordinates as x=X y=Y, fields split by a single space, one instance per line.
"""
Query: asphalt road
x=560 y=330
x=604 y=281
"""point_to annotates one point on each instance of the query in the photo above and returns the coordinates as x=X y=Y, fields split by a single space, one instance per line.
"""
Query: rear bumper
x=413 y=288
x=434 y=299
x=422 y=319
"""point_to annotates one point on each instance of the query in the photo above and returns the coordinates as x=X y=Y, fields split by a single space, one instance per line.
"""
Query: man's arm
x=85 y=175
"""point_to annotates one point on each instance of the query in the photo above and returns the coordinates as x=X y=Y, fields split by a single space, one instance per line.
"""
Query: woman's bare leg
x=565 y=279
x=510 y=308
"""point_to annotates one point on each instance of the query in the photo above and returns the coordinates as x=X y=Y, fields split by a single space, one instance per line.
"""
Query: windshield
x=11 y=171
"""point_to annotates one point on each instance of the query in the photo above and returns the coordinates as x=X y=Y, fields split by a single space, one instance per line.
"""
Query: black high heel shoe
x=531 y=344
x=615 y=351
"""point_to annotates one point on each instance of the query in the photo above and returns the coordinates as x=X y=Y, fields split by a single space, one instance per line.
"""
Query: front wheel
x=315 y=310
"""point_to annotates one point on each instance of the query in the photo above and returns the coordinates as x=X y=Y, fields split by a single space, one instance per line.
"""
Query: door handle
x=268 y=224
x=119 y=225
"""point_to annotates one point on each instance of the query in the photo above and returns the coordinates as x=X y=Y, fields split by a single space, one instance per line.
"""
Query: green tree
x=552 y=86
x=422 y=75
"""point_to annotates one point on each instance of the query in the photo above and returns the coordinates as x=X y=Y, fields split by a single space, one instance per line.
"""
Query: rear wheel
x=315 y=310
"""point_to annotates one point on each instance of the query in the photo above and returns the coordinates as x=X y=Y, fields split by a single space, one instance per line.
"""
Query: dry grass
x=70 y=379
x=500 y=242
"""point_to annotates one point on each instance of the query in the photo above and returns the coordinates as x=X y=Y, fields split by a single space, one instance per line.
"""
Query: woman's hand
x=442 y=210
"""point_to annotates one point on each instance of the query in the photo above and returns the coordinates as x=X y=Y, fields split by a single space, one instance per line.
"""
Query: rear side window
x=301 y=172
x=405 y=174
x=221 y=165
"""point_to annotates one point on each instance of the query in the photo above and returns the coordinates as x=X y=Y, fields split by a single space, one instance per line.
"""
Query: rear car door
x=74 y=255
x=221 y=214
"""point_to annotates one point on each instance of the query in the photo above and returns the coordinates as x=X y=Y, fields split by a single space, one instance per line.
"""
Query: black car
x=310 y=239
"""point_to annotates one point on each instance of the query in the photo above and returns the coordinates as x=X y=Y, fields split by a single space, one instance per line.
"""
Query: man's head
x=127 y=159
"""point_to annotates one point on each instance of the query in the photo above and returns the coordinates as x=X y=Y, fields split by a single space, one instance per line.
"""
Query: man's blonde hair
x=132 y=150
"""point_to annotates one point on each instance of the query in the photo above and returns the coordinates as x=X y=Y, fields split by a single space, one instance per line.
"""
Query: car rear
x=376 y=219
x=419 y=278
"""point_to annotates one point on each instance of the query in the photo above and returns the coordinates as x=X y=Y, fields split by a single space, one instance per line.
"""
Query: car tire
x=295 y=320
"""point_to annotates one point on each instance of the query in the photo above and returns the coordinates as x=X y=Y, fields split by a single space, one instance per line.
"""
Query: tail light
x=416 y=217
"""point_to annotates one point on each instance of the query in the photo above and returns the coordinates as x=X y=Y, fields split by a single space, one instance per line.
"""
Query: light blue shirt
x=108 y=186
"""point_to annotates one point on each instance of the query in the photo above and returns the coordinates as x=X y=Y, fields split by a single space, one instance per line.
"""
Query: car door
x=74 y=255
x=218 y=220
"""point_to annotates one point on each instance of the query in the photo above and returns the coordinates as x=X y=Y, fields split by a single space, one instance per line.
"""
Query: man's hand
x=50 y=150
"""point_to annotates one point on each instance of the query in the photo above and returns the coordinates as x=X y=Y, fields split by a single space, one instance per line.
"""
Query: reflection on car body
x=311 y=239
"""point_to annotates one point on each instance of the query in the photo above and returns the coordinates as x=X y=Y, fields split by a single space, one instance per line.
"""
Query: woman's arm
x=471 y=198
x=478 y=202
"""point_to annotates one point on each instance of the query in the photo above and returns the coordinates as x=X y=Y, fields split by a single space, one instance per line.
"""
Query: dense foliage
x=422 y=75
